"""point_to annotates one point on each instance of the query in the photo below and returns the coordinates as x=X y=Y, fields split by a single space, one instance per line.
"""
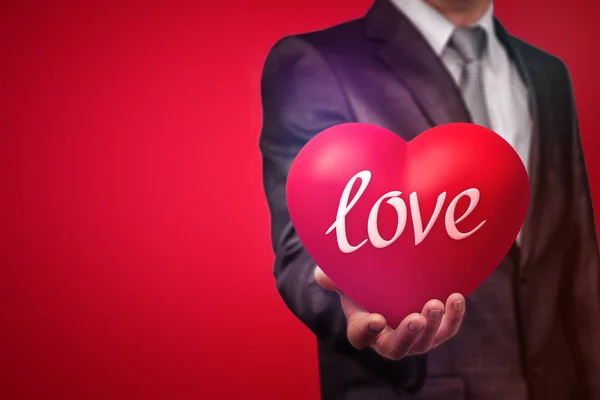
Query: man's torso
x=513 y=333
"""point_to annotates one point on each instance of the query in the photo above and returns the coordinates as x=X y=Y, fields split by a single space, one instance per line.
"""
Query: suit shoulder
x=545 y=60
x=336 y=39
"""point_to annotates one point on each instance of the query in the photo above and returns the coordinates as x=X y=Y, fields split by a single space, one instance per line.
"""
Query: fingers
x=433 y=312
x=323 y=280
x=455 y=311
x=416 y=334
x=396 y=343
x=363 y=327
x=364 y=330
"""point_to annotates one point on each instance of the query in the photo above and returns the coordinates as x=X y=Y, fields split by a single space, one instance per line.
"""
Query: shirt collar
x=434 y=27
x=437 y=30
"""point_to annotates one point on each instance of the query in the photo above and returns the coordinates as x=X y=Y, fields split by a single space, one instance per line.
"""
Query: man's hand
x=416 y=334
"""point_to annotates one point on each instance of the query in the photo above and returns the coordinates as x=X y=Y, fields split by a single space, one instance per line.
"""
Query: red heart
x=398 y=278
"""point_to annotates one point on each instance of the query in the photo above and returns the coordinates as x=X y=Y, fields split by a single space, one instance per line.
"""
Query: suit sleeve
x=300 y=97
x=585 y=280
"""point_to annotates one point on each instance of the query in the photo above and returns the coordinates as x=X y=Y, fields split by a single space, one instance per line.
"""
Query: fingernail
x=458 y=305
x=375 y=327
x=415 y=327
x=435 y=313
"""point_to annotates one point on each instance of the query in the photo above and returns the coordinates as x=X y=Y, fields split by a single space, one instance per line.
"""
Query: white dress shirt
x=505 y=92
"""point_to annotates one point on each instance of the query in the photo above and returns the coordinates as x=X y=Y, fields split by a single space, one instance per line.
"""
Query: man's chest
x=536 y=123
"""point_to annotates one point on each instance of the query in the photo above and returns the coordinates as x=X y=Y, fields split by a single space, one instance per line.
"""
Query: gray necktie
x=469 y=44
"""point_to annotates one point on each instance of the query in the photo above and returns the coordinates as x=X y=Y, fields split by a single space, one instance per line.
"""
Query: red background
x=135 y=257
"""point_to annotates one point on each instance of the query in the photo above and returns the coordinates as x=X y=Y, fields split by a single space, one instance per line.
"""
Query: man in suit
x=532 y=329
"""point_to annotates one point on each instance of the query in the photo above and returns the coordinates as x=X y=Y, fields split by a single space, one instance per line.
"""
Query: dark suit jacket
x=380 y=70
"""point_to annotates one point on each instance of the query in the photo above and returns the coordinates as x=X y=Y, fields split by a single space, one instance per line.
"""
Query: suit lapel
x=533 y=79
x=402 y=47
x=404 y=50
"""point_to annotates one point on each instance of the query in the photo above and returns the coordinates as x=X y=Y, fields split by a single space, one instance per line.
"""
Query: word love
x=392 y=198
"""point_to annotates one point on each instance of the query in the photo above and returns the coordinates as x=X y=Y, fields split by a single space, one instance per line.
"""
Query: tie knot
x=469 y=42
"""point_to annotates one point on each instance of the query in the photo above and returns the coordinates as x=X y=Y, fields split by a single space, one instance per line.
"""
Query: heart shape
x=395 y=224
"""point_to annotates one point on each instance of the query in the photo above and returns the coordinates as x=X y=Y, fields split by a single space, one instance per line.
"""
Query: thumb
x=323 y=280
